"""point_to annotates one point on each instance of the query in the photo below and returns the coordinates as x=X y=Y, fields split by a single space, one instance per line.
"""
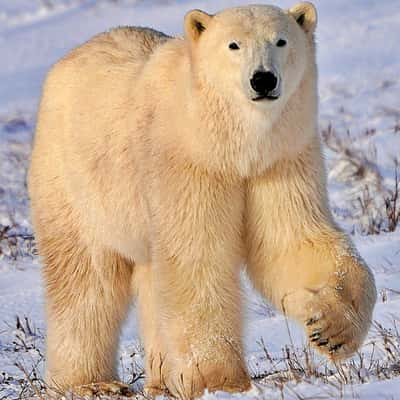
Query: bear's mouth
x=267 y=97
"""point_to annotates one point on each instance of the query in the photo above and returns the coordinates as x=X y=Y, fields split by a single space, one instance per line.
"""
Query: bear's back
x=93 y=82
x=119 y=46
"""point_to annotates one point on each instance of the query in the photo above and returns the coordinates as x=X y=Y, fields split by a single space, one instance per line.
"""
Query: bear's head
x=250 y=65
x=256 y=52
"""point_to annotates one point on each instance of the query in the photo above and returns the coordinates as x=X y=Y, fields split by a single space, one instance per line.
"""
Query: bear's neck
x=245 y=141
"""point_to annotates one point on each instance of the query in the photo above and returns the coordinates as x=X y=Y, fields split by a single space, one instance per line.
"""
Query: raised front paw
x=337 y=323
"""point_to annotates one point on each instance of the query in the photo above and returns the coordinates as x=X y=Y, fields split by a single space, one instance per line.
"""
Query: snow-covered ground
x=359 y=60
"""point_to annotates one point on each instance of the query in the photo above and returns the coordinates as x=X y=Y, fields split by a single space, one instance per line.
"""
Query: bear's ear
x=305 y=15
x=196 y=22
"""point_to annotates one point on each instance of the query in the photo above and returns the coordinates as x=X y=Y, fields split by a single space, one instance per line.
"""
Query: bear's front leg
x=197 y=252
x=323 y=283
x=301 y=261
x=201 y=319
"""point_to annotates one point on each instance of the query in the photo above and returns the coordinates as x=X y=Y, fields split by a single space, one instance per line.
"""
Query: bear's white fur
x=156 y=170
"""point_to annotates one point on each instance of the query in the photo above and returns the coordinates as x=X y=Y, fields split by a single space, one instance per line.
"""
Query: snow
x=359 y=64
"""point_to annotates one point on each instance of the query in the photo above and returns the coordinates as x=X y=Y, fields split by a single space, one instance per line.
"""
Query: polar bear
x=161 y=166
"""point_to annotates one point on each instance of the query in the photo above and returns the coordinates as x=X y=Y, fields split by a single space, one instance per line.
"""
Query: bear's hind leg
x=87 y=301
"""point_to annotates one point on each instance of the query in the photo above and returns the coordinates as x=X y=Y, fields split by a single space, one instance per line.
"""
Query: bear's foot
x=190 y=383
x=154 y=383
x=104 y=388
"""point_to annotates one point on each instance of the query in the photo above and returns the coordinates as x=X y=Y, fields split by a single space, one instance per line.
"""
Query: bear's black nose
x=263 y=82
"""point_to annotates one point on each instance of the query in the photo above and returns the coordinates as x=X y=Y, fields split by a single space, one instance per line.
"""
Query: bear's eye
x=234 y=46
x=281 y=43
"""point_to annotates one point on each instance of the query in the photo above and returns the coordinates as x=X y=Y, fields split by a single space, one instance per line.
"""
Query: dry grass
x=16 y=239
x=292 y=373
x=297 y=371
x=375 y=204
x=16 y=243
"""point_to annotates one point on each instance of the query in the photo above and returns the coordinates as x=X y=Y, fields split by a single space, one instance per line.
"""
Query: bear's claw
x=334 y=348
x=316 y=337
x=313 y=320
